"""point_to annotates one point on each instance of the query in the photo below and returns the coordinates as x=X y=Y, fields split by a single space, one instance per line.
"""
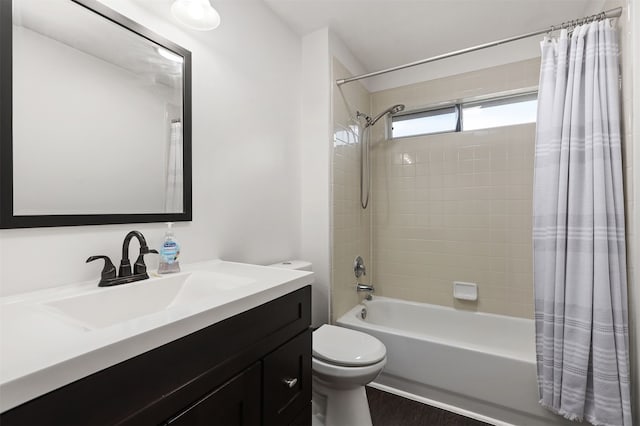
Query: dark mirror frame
x=7 y=218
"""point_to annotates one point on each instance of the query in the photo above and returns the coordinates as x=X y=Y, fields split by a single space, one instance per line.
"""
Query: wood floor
x=392 y=410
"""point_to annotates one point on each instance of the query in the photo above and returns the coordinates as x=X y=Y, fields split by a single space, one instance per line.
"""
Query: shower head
x=391 y=110
x=397 y=108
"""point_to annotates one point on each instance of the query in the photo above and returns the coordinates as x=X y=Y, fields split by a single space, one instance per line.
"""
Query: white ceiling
x=386 y=33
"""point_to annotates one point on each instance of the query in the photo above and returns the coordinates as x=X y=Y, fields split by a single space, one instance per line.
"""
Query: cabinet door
x=237 y=402
x=287 y=381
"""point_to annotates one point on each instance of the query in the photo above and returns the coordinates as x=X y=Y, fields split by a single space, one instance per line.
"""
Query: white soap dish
x=465 y=291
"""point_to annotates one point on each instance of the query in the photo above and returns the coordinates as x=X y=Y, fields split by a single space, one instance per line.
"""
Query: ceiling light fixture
x=196 y=14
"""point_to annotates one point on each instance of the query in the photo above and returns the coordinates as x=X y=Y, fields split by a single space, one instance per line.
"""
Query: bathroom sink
x=102 y=307
x=59 y=335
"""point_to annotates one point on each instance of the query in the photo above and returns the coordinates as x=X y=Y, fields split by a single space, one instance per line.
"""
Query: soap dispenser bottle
x=169 y=253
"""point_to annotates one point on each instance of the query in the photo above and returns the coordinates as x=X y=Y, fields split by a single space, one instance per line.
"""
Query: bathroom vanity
x=239 y=355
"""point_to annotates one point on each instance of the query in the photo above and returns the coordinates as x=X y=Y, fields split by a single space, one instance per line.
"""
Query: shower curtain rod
x=611 y=13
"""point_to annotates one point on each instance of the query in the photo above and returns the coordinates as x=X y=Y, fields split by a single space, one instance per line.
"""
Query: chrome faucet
x=358 y=267
x=364 y=287
x=108 y=276
x=359 y=270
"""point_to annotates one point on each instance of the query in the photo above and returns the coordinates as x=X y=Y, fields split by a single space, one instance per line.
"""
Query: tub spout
x=365 y=288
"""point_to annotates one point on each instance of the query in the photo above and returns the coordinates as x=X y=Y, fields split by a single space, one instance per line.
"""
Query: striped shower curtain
x=579 y=237
x=173 y=189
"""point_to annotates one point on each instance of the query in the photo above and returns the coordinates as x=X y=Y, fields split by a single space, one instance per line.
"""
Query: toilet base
x=340 y=407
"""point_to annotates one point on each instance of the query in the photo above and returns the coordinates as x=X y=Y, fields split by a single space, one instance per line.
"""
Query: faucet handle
x=125 y=268
x=109 y=270
x=140 y=267
x=358 y=267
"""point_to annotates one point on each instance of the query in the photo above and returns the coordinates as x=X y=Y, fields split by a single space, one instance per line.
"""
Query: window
x=501 y=112
x=426 y=122
x=485 y=114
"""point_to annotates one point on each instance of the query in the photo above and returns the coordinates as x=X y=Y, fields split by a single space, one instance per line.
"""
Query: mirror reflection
x=97 y=115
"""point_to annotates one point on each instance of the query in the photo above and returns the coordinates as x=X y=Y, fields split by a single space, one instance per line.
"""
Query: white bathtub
x=480 y=365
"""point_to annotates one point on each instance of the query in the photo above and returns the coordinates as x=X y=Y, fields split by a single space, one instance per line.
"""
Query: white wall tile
x=457 y=206
x=350 y=228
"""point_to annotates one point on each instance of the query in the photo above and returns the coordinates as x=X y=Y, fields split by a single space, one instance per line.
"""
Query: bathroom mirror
x=95 y=118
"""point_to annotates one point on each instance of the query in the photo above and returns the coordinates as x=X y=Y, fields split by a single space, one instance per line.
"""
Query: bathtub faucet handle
x=358 y=267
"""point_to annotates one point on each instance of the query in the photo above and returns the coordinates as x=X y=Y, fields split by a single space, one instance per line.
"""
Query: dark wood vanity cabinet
x=286 y=381
x=250 y=369
x=236 y=402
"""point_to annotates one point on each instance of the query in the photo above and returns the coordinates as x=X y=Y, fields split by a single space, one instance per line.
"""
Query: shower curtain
x=173 y=192
x=578 y=233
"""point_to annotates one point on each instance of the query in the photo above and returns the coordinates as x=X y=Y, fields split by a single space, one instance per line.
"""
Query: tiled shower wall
x=350 y=224
x=448 y=207
x=456 y=206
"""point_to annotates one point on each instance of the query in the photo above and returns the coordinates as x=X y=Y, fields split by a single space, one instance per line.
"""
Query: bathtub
x=476 y=364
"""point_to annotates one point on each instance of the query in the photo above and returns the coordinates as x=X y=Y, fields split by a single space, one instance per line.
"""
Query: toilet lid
x=342 y=346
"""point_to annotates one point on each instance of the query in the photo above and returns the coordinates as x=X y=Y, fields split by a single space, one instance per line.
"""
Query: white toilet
x=343 y=362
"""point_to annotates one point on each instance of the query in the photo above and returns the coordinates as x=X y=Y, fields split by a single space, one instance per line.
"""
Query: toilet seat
x=346 y=377
x=345 y=347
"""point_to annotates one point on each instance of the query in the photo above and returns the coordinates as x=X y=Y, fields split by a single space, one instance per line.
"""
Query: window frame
x=459 y=108
x=427 y=112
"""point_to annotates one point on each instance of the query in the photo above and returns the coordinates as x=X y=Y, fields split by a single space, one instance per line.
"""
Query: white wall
x=500 y=55
x=339 y=50
x=629 y=36
x=246 y=168
x=315 y=160
x=633 y=9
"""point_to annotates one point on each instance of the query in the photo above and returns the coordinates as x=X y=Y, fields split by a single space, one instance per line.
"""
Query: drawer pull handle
x=290 y=383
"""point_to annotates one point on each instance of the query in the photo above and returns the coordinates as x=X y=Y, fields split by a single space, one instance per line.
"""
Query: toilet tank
x=300 y=265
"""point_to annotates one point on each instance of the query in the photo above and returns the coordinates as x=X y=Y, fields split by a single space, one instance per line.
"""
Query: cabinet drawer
x=287 y=381
x=235 y=403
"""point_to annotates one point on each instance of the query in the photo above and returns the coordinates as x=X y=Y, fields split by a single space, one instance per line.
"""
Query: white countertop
x=42 y=350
